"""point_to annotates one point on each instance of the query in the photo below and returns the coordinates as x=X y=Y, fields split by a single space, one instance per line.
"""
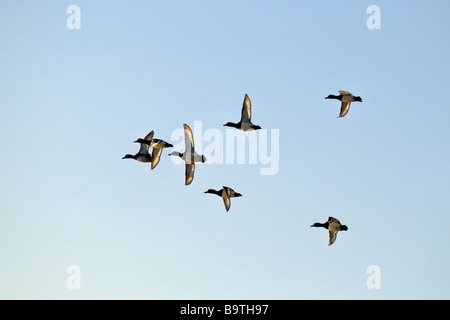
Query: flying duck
x=246 y=115
x=142 y=155
x=158 y=145
x=226 y=194
x=333 y=225
x=189 y=156
x=346 y=98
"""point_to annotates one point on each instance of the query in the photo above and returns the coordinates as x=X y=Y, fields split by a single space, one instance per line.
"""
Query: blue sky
x=73 y=101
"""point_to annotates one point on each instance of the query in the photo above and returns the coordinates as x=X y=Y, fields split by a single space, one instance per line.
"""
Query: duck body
x=333 y=226
x=189 y=157
x=245 y=123
x=242 y=125
x=226 y=193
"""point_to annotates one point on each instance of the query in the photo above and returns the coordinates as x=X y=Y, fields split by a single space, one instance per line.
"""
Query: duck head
x=143 y=141
x=231 y=124
x=217 y=192
x=357 y=99
x=332 y=96
x=317 y=224
x=129 y=156
x=344 y=228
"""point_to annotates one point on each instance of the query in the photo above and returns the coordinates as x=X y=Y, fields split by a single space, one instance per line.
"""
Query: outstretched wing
x=246 y=114
x=345 y=106
x=144 y=148
x=156 y=156
x=149 y=136
x=332 y=238
x=227 y=203
x=145 y=143
x=344 y=93
x=333 y=220
x=189 y=173
x=227 y=191
x=188 y=139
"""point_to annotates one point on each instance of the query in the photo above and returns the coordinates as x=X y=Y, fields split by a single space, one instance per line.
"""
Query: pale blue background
x=73 y=101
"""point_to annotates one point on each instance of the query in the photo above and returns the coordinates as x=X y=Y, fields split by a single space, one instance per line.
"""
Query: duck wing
x=158 y=143
x=227 y=203
x=231 y=193
x=156 y=156
x=332 y=237
x=189 y=173
x=149 y=136
x=144 y=148
x=246 y=114
x=145 y=143
x=333 y=221
x=344 y=93
x=227 y=191
x=155 y=143
x=345 y=106
x=188 y=139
